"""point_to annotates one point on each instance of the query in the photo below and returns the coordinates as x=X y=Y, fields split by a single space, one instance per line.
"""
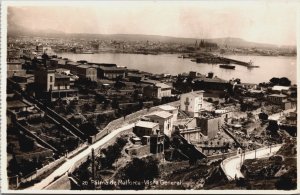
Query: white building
x=171 y=109
x=157 y=90
x=164 y=119
x=192 y=103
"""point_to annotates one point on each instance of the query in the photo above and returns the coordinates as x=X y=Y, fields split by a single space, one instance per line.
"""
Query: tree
x=112 y=153
x=115 y=104
x=237 y=80
x=284 y=81
x=285 y=183
x=274 y=80
x=273 y=128
x=139 y=170
x=263 y=116
x=88 y=128
x=26 y=143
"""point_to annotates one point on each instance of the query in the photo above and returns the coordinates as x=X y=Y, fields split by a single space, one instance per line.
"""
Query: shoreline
x=178 y=53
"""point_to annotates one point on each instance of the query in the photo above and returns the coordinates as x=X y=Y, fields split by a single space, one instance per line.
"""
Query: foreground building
x=164 y=119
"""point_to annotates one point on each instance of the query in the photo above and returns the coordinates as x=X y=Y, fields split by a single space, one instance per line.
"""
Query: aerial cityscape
x=129 y=107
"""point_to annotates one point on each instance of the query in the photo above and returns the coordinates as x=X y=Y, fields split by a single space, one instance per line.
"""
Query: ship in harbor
x=227 y=66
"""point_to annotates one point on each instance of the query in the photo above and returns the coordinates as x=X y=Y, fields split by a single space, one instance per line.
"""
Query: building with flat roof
x=277 y=98
x=172 y=110
x=157 y=90
x=110 y=72
x=209 y=126
x=164 y=119
x=87 y=72
x=145 y=128
x=53 y=85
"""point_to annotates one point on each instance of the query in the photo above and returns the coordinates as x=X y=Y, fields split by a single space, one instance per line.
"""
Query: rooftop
x=195 y=93
x=73 y=63
x=160 y=114
x=111 y=68
x=61 y=69
x=278 y=95
x=16 y=104
x=61 y=76
x=146 y=124
x=163 y=85
x=84 y=66
x=61 y=62
x=212 y=80
x=167 y=107
x=279 y=88
x=103 y=64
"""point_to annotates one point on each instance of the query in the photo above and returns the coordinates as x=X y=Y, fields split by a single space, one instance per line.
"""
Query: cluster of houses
x=55 y=78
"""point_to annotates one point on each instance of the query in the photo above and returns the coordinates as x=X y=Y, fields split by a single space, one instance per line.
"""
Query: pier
x=222 y=60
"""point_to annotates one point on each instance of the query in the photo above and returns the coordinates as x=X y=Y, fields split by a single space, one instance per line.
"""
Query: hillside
x=15 y=30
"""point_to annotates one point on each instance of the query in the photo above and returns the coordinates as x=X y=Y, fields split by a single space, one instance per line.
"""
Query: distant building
x=134 y=77
x=87 y=72
x=280 y=89
x=14 y=68
x=193 y=74
x=164 y=119
x=52 y=85
x=102 y=64
x=63 y=71
x=67 y=72
x=192 y=102
x=70 y=66
x=110 y=72
x=60 y=63
x=277 y=98
x=158 y=90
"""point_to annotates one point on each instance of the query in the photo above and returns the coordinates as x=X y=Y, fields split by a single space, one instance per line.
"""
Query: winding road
x=232 y=165
x=65 y=167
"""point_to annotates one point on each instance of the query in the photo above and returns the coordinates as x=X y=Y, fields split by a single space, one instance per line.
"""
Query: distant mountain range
x=15 y=30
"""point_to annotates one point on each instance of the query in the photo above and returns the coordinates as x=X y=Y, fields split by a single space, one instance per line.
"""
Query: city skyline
x=273 y=23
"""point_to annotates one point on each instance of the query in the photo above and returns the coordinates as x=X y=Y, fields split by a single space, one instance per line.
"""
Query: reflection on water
x=269 y=66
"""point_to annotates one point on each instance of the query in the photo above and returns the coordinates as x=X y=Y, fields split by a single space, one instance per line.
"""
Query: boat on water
x=227 y=66
x=250 y=65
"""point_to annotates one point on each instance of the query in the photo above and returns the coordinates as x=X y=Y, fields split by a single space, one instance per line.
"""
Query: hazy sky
x=258 y=21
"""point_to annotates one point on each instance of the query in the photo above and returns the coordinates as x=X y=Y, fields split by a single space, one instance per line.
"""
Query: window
x=51 y=78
